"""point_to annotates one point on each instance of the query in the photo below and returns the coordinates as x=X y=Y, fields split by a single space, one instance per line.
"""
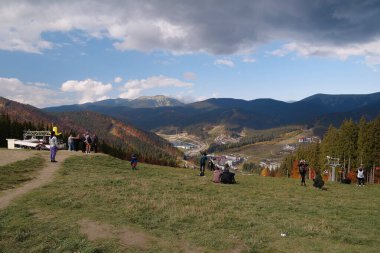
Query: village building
x=312 y=139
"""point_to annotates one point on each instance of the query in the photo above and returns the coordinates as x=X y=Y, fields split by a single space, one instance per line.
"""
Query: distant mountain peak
x=154 y=101
x=157 y=97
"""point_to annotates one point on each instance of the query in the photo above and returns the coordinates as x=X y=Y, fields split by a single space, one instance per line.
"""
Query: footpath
x=44 y=176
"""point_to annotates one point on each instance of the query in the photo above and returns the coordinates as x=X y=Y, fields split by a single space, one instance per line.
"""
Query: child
x=134 y=162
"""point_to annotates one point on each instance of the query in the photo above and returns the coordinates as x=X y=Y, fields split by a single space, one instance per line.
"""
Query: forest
x=354 y=144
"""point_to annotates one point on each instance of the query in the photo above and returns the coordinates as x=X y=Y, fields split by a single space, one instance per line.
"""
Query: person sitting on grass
x=318 y=181
x=227 y=177
x=217 y=175
x=134 y=162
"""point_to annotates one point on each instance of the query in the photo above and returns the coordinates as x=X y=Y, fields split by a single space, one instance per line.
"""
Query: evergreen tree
x=329 y=146
x=348 y=141
x=365 y=143
x=375 y=138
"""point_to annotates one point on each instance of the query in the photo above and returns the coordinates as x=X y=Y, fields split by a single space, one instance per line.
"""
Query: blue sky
x=71 y=52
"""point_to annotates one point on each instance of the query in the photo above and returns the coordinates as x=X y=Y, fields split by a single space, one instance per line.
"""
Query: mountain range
x=149 y=114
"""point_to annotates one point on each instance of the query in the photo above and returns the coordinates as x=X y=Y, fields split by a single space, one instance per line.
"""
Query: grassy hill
x=97 y=204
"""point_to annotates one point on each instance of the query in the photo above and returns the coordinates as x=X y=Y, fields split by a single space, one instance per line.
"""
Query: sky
x=70 y=51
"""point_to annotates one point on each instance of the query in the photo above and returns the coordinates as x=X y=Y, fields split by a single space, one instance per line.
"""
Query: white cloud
x=230 y=27
x=134 y=88
x=87 y=90
x=31 y=93
x=117 y=79
x=225 y=62
x=190 y=76
x=39 y=84
x=370 y=50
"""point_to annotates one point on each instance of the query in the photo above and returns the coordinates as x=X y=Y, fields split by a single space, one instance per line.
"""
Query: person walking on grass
x=202 y=163
x=302 y=166
x=134 y=162
x=53 y=142
x=360 y=176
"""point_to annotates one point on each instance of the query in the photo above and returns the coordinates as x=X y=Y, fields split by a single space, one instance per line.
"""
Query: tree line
x=14 y=130
x=354 y=144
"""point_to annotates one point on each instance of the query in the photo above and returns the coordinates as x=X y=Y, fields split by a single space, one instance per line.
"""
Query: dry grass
x=175 y=207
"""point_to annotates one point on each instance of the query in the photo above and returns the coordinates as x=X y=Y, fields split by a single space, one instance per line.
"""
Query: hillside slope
x=115 y=136
x=95 y=204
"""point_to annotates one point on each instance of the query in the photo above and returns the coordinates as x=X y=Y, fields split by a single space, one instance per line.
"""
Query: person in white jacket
x=53 y=142
x=360 y=176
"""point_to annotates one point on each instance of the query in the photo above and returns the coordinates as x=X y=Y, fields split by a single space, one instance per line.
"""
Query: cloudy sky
x=69 y=51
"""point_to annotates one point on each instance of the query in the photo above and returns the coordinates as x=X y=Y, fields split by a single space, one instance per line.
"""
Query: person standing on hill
x=70 y=142
x=134 y=162
x=360 y=176
x=53 y=142
x=87 y=140
x=202 y=162
x=94 y=144
x=302 y=167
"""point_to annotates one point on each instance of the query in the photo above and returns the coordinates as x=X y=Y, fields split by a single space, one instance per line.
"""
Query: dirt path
x=45 y=175
x=10 y=156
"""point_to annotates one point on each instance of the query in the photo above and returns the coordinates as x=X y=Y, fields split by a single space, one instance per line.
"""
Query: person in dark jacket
x=202 y=163
x=302 y=166
x=94 y=143
x=134 y=162
x=227 y=177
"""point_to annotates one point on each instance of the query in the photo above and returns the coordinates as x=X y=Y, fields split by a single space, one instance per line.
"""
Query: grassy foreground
x=173 y=210
x=13 y=174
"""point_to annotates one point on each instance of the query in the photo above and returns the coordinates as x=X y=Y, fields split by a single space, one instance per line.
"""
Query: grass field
x=97 y=204
x=13 y=174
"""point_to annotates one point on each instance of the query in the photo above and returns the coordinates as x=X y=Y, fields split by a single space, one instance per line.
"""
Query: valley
x=269 y=152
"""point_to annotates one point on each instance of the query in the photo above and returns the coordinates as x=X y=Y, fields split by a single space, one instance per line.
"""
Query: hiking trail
x=44 y=176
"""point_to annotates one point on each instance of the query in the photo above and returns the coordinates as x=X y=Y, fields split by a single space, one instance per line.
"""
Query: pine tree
x=365 y=143
x=329 y=146
x=348 y=140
